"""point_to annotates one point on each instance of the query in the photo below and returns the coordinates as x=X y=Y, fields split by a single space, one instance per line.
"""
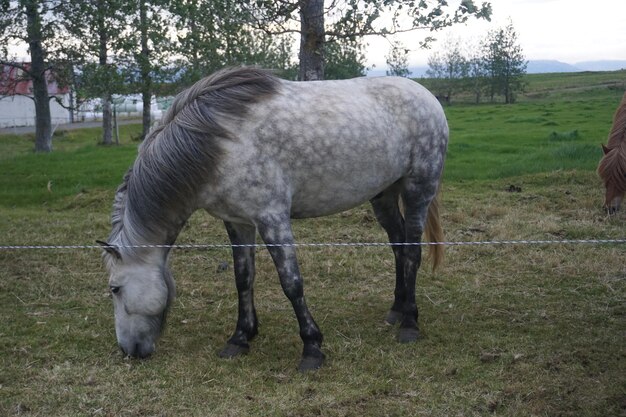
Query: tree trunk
x=505 y=91
x=107 y=125
x=43 y=124
x=146 y=98
x=144 y=68
x=107 y=137
x=72 y=108
x=312 y=38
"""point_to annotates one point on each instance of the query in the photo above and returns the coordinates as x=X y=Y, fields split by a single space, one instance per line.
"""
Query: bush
x=563 y=136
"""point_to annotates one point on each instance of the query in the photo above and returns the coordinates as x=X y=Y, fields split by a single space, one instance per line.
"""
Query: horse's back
x=331 y=145
x=369 y=120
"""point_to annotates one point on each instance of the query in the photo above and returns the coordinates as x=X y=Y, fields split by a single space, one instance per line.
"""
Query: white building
x=17 y=107
x=20 y=111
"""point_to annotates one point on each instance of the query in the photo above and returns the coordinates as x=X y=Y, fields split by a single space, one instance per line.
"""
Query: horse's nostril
x=138 y=350
x=139 y=353
x=133 y=351
x=143 y=351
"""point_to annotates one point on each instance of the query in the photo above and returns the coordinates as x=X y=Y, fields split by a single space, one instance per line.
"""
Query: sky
x=570 y=31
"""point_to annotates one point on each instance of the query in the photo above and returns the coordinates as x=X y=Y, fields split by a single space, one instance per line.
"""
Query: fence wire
x=327 y=244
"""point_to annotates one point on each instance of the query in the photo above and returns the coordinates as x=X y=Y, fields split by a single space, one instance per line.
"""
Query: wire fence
x=328 y=244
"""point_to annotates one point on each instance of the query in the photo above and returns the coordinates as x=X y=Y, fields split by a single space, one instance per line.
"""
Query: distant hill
x=606 y=65
x=542 y=66
x=546 y=66
x=536 y=66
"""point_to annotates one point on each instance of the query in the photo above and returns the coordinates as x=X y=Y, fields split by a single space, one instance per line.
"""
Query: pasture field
x=507 y=330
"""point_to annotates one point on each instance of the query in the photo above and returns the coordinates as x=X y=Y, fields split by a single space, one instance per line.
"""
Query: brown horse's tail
x=434 y=233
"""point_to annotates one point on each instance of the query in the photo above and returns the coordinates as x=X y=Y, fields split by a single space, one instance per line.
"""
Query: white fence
x=18 y=111
x=124 y=106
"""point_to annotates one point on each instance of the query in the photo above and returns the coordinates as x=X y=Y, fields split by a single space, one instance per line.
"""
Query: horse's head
x=142 y=289
x=613 y=197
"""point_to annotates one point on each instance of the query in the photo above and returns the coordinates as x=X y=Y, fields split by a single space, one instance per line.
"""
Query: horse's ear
x=605 y=149
x=112 y=250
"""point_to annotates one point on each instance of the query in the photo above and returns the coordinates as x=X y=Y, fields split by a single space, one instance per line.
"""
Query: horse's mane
x=182 y=153
x=612 y=167
x=618 y=131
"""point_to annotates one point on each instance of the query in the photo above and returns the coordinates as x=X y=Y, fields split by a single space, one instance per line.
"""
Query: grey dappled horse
x=257 y=151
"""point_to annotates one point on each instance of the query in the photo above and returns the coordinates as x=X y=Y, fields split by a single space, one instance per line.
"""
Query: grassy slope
x=494 y=141
x=507 y=330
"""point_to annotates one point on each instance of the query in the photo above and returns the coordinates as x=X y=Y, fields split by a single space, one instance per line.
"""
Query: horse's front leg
x=243 y=259
x=277 y=231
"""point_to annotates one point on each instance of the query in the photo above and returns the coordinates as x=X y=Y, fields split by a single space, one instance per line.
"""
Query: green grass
x=77 y=166
x=564 y=84
x=506 y=330
x=491 y=141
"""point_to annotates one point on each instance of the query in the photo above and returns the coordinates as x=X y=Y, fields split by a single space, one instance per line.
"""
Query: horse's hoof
x=231 y=351
x=408 y=335
x=310 y=363
x=393 y=317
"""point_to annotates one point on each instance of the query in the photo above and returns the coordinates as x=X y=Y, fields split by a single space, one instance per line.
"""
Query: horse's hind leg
x=388 y=215
x=277 y=231
x=417 y=196
x=243 y=258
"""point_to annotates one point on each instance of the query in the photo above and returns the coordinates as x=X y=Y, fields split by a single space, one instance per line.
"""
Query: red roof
x=14 y=81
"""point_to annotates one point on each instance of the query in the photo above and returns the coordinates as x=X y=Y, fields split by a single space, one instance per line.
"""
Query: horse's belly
x=326 y=204
x=334 y=190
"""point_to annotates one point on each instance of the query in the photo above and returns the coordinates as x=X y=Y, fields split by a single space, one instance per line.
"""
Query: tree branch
x=17 y=94
x=16 y=65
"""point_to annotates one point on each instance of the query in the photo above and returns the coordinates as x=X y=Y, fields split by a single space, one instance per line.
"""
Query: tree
x=398 y=60
x=505 y=62
x=209 y=41
x=449 y=68
x=317 y=23
x=437 y=73
x=30 y=22
x=344 y=60
x=96 y=26
x=476 y=72
x=146 y=49
x=496 y=66
x=312 y=39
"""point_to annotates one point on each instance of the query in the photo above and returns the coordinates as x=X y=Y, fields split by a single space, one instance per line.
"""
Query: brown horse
x=612 y=167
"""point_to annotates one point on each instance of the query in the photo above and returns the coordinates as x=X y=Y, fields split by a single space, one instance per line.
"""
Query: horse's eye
x=114 y=289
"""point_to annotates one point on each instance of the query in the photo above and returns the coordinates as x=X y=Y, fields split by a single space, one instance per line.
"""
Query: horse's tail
x=434 y=233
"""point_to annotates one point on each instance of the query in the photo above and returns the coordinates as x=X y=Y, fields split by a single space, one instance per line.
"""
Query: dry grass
x=507 y=330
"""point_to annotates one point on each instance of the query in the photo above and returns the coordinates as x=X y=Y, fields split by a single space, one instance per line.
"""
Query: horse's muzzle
x=138 y=350
x=612 y=204
x=611 y=209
